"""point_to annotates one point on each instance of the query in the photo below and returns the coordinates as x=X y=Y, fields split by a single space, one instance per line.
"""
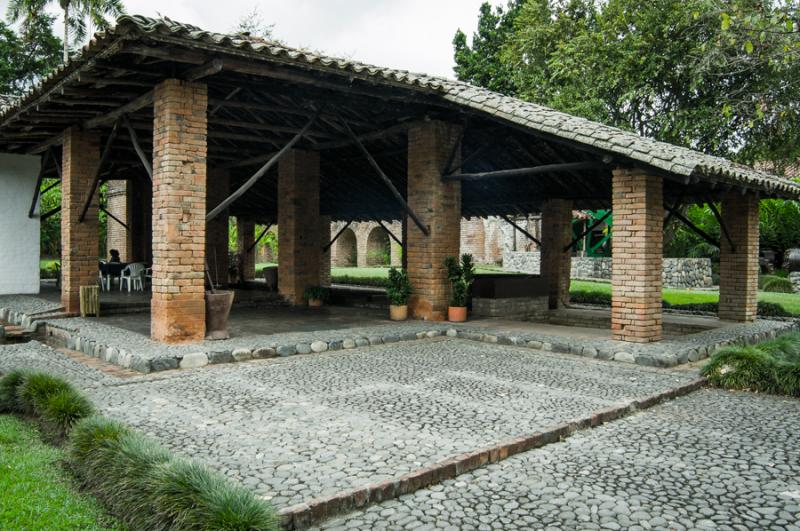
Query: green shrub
x=35 y=388
x=378 y=282
x=590 y=297
x=772 y=309
x=190 y=494
x=770 y=367
x=399 y=288
x=775 y=284
x=62 y=409
x=9 y=390
x=317 y=292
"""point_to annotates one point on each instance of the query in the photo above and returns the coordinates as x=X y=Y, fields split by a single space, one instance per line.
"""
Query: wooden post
x=90 y=300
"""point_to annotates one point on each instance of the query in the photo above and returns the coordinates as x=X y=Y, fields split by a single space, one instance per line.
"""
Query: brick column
x=438 y=203
x=218 y=189
x=738 y=269
x=179 y=208
x=325 y=258
x=245 y=237
x=120 y=203
x=636 y=264
x=299 y=249
x=556 y=234
x=79 y=241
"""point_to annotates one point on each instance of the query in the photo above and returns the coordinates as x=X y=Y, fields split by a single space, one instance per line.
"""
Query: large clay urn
x=218 y=309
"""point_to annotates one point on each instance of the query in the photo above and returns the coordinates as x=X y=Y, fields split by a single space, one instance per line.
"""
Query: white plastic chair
x=132 y=276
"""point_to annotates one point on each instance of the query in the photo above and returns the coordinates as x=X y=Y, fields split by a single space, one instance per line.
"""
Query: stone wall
x=516 y=308
x=677 y=273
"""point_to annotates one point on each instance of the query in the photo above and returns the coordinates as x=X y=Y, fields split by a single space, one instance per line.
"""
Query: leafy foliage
x=775 y=284
x=771 y=367
x=399 y=287
x=721 y=76
x=461 y=276
x=317 y=292
x=26 y=58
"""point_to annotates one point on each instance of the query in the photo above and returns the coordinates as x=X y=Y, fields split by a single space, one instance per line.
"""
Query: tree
x=26 y=59
x=79 y=16
x=253 y=24
x=721 y=76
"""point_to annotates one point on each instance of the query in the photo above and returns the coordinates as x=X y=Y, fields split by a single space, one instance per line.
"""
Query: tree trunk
x=66 y=32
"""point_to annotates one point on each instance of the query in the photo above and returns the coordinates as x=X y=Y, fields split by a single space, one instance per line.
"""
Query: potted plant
x=460 y=276
x=316 y=295
x=398 y=291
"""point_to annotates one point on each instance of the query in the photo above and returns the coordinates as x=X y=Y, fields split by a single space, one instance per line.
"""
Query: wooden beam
x=100 y=121
x=523 y=231
x=49 y=214
x=261 y=171
x=264 y=127
x=57 y=183
x=252 y=161
x=55 y=140
x=390 y=233
x=148 y=166
x=391 y=131
x=524 y=172
x=210 y=68
x=39 y=178
x=722 y=225
x=587 y=231
x=386 y=180
x=260 y=237
x=333 y=240
x=694 y=228
x=218 y=106
x=115 y=218
x=96 y=180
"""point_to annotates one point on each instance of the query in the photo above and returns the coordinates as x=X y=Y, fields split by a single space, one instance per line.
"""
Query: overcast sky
x=410 y=34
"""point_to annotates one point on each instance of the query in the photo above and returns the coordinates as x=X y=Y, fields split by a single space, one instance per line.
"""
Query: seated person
x=114 y=256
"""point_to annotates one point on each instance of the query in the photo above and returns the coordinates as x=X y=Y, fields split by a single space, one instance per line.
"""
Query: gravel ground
x=296 y=428
x=711 y=460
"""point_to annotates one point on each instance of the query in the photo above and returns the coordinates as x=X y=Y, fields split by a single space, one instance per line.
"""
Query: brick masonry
x=79 y=241
x=438 y=203
x=556 y=234
x=325 y=258
x=638 y=204
x=738 y=269
x=299 y=223
x=179 y=208
x=245 y=237
x=120 y=205
x=217 y=189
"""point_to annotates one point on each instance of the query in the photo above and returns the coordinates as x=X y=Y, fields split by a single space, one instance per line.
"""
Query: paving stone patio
x=293 y=429
x=712 y=460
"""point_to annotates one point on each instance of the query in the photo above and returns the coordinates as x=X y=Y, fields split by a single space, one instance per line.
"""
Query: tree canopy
x=25 y=58
x=721 y=76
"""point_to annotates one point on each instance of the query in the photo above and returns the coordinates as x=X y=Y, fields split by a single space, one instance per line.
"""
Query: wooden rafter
x=523 y=231
x=525 y=172
x=96 y=180
x=694 y=228
x=390 y=233
x=148 y=166
x=336 y=237
x=259 y=238
x=589 y=229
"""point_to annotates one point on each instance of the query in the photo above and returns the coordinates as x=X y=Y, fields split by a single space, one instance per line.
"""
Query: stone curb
x=304 y=515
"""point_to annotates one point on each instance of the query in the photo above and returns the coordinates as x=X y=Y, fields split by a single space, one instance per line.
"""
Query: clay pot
x=218 y=309
x=398 y=312
x=456 y=314
x=315 y=303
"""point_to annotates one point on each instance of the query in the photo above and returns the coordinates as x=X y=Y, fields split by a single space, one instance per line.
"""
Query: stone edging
x=304 y=515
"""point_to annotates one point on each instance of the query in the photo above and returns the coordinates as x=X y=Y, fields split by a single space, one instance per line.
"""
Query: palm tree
x=77 y=13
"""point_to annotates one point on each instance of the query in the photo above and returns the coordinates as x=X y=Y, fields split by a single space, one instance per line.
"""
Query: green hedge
x=378 y=282
x=141 y=483
x=769 y=367
x=775 y=284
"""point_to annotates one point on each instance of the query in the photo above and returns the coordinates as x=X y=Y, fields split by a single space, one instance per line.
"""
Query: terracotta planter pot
x=315 y=303
x=456 y=314
x=398 y=312
x=218 y=309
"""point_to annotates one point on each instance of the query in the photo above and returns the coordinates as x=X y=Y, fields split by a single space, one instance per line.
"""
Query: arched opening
x=379 y=252
x=345 y=250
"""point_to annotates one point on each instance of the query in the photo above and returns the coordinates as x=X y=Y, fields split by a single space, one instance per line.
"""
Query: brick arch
x=378 y=247
x=346 y=250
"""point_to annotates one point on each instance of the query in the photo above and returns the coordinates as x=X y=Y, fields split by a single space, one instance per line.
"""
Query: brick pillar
x=217 y=189
x=738 y=268
x=245 y=237
x=636 y=264
x=438 y=203
x=325 y=258
x=179 y=208
x=299 y=250
x=120 y=204
x=79 y=241
x=557 y=234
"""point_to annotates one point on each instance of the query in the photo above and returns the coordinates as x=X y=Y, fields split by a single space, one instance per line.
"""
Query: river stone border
x=667 y=353
x=304 y=515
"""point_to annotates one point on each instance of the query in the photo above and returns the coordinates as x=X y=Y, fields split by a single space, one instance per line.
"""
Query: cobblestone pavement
x=712 y=460
x=296 y=428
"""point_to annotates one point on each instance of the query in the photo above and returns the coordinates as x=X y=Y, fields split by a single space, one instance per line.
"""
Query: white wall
x=19 y=235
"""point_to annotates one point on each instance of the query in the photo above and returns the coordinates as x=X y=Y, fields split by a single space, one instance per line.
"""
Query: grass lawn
x=789 y=301
x=45 y=263
x=36 y=492
x=264 y=265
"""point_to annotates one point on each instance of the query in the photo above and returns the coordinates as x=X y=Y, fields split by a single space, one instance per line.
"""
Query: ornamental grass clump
x=35 y=388
x=9 y=390
x=60 y=410
x=769 y=367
